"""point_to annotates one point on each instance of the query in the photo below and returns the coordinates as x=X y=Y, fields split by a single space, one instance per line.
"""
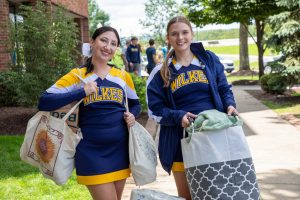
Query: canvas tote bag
x=50 y=145
x=218 y=165
x=142 y=153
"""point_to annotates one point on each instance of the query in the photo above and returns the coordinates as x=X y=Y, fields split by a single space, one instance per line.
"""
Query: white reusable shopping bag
x=147 y=194
x=142 y=153
x=218 y=165
x=50 y=145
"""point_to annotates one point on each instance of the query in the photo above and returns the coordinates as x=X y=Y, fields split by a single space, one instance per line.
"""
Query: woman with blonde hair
x=190 y=80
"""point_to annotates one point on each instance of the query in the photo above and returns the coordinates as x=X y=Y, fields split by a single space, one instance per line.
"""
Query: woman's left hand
x=129 y=118
x=232 y=111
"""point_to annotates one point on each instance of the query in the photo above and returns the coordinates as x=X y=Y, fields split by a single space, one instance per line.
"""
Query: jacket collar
x=200 y=56
x=198 y=50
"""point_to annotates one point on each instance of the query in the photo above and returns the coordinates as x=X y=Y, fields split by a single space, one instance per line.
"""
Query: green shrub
x=274 y=83
x=19 y=89
x=277 y=84
x=45 y=44
x=140 y=87
x=264 y=82
x=9 y=82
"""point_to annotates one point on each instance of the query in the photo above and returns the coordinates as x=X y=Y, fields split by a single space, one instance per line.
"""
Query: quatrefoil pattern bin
x=219 y=166
x=231 y=180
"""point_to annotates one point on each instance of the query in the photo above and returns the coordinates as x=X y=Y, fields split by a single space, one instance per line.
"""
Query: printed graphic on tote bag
x=45 y=146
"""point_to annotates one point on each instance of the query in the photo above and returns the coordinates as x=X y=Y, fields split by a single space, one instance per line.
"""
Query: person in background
x=151 y=56
x=164 y=50
x=102 y=157
x=133 y=56
x=123 y=56
x=190 y=80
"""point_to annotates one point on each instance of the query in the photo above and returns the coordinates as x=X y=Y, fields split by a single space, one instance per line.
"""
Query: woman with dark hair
x=190 y=80
x=101 y=159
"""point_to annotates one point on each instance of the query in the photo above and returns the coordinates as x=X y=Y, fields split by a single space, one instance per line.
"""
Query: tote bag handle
x=126 y=100
x=77 y=104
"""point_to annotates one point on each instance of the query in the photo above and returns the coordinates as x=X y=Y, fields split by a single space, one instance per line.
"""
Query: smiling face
x=105 y=46
x=180 y=36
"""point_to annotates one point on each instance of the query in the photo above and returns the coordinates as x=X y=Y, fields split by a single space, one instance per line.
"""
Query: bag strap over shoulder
x=71 y=110
x=126 y=100
x=77 y=104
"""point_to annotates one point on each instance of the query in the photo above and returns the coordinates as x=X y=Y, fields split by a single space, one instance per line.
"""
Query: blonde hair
x=165 y=71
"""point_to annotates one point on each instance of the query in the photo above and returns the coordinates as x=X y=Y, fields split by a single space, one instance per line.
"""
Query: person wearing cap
x=133 y=56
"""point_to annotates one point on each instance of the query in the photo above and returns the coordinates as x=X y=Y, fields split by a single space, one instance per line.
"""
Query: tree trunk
x=259 y=44
x=244 y=54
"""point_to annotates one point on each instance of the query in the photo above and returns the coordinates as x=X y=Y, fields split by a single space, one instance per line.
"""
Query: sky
x=125 y=15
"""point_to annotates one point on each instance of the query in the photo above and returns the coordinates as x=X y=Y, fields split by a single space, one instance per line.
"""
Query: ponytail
x=89 y=65
x=165 y=71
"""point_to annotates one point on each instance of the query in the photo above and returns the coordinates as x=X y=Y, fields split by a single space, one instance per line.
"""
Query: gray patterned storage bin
x=219 y=166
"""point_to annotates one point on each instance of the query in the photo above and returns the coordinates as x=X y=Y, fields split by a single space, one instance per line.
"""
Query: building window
x=15 y=19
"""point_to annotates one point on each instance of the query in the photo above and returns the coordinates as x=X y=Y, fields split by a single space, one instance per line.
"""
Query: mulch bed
x=284 y=98
x=244 y=73
x=13 y=120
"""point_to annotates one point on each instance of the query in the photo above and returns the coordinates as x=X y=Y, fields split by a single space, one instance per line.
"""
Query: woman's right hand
x=185 y=120
x=90 y=88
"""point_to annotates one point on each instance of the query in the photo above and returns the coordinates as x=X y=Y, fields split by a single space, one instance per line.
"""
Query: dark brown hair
x=89 y=65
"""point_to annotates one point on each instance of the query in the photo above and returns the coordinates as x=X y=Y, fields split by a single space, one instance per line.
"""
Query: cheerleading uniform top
x=102 y=154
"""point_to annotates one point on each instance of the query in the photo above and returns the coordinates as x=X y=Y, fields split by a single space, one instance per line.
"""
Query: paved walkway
x=275 y=146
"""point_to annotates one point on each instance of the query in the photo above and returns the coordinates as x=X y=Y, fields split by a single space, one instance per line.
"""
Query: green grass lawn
x=284 y=108
x=20 y=181
x=230 y=79
x=235 y=50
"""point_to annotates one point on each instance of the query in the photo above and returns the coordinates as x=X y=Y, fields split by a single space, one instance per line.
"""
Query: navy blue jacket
x=163 y=110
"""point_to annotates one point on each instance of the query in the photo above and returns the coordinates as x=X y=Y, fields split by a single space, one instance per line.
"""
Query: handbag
x=147 y=194
x=218 y=165
x=142 y=153
x=50 y=144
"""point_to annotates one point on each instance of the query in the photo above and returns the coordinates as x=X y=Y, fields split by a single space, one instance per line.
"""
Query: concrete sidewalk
x=275 y=146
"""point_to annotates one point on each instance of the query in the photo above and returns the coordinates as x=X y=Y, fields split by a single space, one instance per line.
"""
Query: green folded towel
x=213 y=120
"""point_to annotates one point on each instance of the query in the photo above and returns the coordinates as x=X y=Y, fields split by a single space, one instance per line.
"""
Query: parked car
x=144 y=62
x=228 y=64
x=268 y=61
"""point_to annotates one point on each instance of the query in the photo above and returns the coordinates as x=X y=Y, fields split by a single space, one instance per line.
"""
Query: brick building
x=9 y=8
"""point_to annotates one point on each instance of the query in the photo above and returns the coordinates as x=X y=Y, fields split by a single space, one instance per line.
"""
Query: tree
x=244 y=53
x=96 y=16
x=158 y=13
x=227 y=11
x=285 y=38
